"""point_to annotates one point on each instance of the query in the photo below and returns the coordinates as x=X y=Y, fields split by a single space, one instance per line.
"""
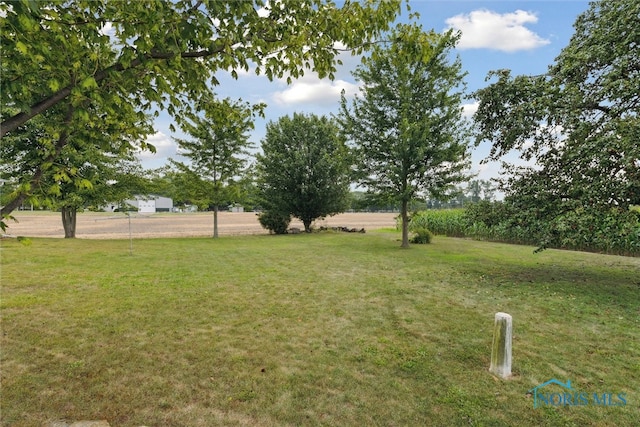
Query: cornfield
x=614 y=232
x=447 y=222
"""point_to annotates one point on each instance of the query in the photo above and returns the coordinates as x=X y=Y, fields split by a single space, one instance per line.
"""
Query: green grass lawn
x=322 y=329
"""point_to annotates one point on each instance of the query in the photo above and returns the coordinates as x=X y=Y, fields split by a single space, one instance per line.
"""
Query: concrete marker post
x=501 y=348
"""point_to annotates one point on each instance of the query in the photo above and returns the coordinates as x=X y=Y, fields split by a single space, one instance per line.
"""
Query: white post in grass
x=501 y=348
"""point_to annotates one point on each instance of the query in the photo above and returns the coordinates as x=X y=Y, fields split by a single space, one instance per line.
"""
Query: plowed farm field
x=94 y=225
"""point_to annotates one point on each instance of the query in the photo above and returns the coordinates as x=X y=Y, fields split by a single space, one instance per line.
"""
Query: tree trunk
x=69 y=222
x=215 y=222
x=307 y=225
x=13 y=204
x=405 y=224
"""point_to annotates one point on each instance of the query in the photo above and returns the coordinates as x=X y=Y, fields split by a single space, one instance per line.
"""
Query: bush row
x=614 y=231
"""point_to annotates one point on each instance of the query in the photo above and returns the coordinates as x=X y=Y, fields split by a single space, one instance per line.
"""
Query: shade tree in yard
x=303 y=171
x=406 y=126
x=75 y=174
x=217 y=149
x=578 y=123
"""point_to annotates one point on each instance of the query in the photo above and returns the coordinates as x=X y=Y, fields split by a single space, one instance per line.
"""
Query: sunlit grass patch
x=342 y=329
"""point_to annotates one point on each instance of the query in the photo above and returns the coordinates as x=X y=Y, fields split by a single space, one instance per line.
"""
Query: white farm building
x=146 y=204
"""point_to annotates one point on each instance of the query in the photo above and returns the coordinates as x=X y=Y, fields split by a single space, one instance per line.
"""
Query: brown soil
x=92 y=225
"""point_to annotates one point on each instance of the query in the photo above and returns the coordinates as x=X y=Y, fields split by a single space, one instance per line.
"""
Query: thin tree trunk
x=307 y=226
x=405 y=225
x=69 y=222
x=215 y=222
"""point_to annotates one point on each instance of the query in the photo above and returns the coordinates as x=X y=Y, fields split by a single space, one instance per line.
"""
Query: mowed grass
x=322 y=329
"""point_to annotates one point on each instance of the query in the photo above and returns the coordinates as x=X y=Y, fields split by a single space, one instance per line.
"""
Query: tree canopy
x=303 y=170
x=406 y=125
x=167 y=52
x=579 y=121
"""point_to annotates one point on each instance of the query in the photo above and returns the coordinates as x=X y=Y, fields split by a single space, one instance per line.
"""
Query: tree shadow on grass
x=605 y=285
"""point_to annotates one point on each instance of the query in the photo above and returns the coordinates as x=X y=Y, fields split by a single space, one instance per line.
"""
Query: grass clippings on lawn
x=322 y=329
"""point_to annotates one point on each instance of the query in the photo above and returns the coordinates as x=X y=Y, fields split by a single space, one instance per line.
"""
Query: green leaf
x=89 y=83
x=84 y=184
x=22 y=47
x=54 y=85
x=26 y=22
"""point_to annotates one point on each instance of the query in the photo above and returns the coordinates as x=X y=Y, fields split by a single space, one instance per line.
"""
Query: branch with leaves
x=181 y=44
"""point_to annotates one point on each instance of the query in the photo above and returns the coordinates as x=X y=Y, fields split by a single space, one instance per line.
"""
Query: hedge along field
x=614 y=232
x=319 y=329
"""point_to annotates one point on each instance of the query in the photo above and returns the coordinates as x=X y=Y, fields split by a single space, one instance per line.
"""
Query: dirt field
x=92 y=225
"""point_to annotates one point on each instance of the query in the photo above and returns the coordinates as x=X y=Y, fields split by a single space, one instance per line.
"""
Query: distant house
x=186 y=208
x=145 y=204
x=236 y=208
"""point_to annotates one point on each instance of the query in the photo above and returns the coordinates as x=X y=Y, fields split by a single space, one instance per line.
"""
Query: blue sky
x=523 y=36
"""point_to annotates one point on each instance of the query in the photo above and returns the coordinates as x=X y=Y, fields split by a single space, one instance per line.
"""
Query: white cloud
x=468 y=110
x=107 y=30
x=165 y=148
x=264 y=11
x=491 y=30
x=4 y=8
x=314 y=91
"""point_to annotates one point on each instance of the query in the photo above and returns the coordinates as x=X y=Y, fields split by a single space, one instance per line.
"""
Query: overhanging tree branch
x=19 y=119
x=40 y=170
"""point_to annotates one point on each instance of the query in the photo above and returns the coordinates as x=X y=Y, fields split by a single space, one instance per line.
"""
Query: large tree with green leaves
x=74 y=125
x=303 y=170
x=84 y=174
x=218 y=148
x=579 y=121
x=406 y=126
x=36 y=154
x=104 y=58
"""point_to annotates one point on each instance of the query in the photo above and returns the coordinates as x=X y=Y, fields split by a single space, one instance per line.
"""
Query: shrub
x=422 y=236
x=275 y=222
